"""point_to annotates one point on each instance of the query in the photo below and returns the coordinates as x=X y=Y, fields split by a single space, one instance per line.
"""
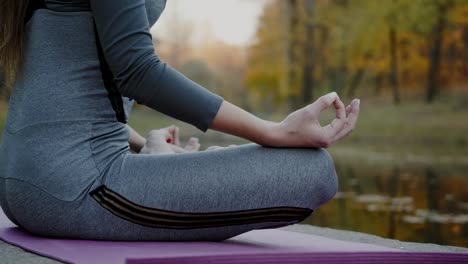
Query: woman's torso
x=61 y=131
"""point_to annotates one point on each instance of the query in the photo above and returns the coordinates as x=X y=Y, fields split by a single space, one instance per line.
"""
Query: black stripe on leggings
x=194 y=216
x=162 y=217
x=153 y=217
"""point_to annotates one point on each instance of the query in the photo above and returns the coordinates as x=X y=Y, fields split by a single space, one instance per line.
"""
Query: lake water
x=419 y=203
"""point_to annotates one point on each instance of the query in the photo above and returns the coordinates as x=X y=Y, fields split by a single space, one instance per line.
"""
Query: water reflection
x=421 y=204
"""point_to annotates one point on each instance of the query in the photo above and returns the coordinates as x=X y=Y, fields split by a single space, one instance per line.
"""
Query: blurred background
x=404 y=170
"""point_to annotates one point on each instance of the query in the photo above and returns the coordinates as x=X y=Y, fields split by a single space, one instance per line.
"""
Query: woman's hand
x=302 y=128
x=166 y=141
x=299 y=129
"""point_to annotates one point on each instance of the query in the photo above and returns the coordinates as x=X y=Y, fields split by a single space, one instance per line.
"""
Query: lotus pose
x=66 y=169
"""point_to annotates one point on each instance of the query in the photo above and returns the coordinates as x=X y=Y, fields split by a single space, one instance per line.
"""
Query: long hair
x=13 y=14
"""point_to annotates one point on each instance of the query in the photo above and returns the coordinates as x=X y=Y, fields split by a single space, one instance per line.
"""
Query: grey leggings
x=202 y=196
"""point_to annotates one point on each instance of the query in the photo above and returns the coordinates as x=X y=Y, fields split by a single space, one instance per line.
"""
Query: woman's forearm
x=238 y=122
x=135 y=140
x=300 y=128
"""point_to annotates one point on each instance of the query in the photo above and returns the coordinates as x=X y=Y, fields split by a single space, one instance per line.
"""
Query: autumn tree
x=398 y=47
x=176 y=44
x=281 y=59
x=269 y=56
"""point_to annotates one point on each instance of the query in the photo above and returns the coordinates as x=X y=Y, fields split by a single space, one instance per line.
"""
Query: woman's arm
x=299 y=129
x=123 y=31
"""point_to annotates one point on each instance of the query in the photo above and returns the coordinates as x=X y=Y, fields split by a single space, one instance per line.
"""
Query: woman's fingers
x=173 y=137
x=176 y=136
x=340 y=128
x=348 y=108
x=322 y=103
x=192 y=145
x=330 y=131
x=350 y=120
x=166 y=140
x=340 y=108
x=177 y=149
x=326 y=101
x=168 y=134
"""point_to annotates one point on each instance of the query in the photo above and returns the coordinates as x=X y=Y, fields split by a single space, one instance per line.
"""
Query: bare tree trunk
x=308 y=69
x=285 y=80
x=393 y=77
x=378 y=83
x=356 y=80
x=435 y=54
x=465 y=51
x=320 y=57
x=342 y=70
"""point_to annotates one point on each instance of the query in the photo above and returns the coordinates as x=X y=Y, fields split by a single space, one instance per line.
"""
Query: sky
x=232 y=21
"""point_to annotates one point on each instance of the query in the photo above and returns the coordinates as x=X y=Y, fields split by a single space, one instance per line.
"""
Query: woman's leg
x=209 y=195
x=213 y=195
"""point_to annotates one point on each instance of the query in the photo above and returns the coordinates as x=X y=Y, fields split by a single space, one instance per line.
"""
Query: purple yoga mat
x=259 y=246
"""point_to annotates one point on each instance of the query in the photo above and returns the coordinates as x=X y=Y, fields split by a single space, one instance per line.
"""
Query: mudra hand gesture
x=166 y=141
x=302 y=127
x=299 y=129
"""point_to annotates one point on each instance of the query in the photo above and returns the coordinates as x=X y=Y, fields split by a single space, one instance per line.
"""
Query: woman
x=66 y=168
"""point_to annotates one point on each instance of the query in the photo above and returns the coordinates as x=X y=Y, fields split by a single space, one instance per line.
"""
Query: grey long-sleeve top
x=123 y=29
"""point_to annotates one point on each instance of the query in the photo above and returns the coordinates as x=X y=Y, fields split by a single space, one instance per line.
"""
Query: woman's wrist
x=238 y=122
x=270 y=134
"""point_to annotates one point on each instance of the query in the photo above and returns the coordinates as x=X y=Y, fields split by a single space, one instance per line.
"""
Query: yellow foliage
x=351 y=36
